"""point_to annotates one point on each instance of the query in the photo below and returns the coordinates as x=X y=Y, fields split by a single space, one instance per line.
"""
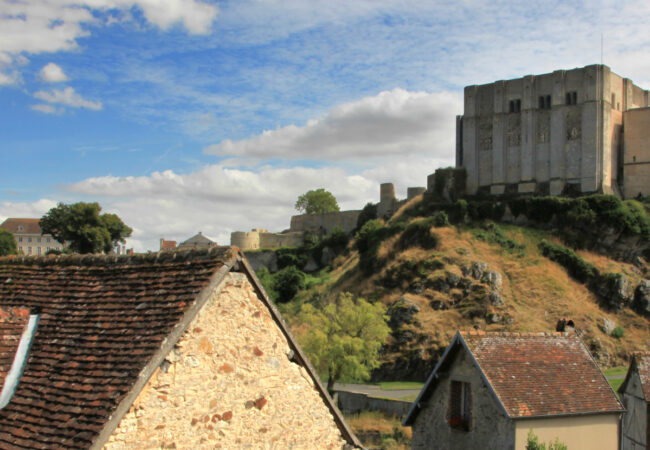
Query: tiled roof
x=102 y=318
x=540 y=374
x=641 y=363
x=531 y=374
x=198 y=240
x=30 y=226
x=167 y=245
x=12 y=324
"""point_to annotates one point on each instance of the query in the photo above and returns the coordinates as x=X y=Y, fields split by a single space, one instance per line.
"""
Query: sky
x=183 y=116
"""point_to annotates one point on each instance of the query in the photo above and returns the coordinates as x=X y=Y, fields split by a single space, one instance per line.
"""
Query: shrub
x=368 y=241
x=336 y=240
x=266 y=279
x=287 y=282
x=419 y=234
x=577 y=267
x=369 y=212
x=618 y=332
x=532 y=443
x=440 y=219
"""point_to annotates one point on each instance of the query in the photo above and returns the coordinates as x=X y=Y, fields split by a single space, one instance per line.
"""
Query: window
x=544 y=102
x=38 y=239
x=47 y=240
x=29 y=239
x=572 y=98
x=20 y=228
x=29 y=250
x=613 y=101
x=515 y=106
x=460 y=404
x=38 y=250
x=20 y=238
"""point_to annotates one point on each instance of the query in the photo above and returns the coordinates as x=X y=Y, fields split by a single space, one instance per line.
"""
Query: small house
x=490 y=389
x=635 y=394
x=167 y=350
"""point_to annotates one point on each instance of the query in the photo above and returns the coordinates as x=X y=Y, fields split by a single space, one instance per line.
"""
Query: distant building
x=167 y=245
x=197 y=241
x=153 y=351
x=573 y=131
x=30 y=239
x=635 y=394
x=489 y=389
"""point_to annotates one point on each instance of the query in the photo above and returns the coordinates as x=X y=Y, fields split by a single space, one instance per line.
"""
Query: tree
x=532 y=443
x=316 y=202
x=287 y=282
x=84 y=228
x=7 y=243
x=343 y=339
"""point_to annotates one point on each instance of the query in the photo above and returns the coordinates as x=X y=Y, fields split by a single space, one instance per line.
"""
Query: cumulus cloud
x=22 y=209
x=67 y=97
x=396 y=122
x=52 y=73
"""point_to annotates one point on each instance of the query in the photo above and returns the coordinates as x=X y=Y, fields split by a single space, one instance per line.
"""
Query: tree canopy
x=343 y=339
x=81 y=225
x=317 y=201
x=7 y=243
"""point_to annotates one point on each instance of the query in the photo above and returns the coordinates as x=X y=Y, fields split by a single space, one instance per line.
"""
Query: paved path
x=375 y=391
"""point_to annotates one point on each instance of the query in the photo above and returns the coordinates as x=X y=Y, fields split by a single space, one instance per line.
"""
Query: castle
x=570 y=131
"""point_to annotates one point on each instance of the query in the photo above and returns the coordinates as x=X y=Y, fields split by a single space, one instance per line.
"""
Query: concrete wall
x=577 y=433
x=488 y=427
x=353 y=402
x=636 y=157
x=540 y=149
x=229 y=384
x=634 y=433
x=324 y=223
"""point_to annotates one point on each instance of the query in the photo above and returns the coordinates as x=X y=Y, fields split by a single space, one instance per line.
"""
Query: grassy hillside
x=476 y=276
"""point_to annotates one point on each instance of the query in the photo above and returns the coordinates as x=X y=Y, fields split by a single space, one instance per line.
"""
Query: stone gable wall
x=229 y=384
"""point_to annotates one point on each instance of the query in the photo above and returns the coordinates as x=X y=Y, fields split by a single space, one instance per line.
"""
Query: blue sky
x=188 y=115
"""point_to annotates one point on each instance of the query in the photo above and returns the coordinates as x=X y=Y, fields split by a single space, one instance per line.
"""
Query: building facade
x=30 y=239
x=561 y=132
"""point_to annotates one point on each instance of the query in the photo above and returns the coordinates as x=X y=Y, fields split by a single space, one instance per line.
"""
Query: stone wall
x=324 y=223
x=229 y=384
x=636 y=159
x=355 y=402
x=488 y=426
x=256 y=239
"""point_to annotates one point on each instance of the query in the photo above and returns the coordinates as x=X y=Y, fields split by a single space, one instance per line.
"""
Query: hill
x=436 y=278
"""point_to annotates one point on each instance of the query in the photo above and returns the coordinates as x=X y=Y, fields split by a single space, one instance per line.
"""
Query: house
x=582 y=130
x=635 y=394
x=490 y=389
x=167 y=245
x=166 y=350
x=30 y=239
x=197 y=241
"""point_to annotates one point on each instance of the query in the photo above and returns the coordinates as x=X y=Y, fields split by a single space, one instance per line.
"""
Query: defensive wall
x=320 y=224
x=636 y=161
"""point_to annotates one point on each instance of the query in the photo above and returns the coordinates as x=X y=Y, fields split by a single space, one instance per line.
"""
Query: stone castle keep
x=570 y=131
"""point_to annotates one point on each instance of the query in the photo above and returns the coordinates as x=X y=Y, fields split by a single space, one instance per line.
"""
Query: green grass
x=400 y=385
x=622 y=370
x=616 y=383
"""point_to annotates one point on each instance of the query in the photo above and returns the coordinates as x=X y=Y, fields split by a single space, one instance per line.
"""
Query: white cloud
x=391 y=123
x=47 y=109
x=52 y=73
x=67 y=97
x=25 y=210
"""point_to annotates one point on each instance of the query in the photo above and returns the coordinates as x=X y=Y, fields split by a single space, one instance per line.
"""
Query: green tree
x=287 y=282
x=343 y=339
x=7 y=243
x=84 y=228
x=316 y=202
x=532 y=443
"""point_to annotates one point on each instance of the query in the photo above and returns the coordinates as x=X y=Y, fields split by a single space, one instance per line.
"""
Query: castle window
x=460 y=404
x=613 y=101
x=515 y=106
x=544 y=102
x=572 y=98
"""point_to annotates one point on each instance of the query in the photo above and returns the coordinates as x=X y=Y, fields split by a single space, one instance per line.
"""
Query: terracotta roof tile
x=12 y=324
x=538 y=374
x=102 y=319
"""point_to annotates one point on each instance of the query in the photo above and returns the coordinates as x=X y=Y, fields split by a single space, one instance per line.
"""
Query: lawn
x=622 y=370
x=400 y=385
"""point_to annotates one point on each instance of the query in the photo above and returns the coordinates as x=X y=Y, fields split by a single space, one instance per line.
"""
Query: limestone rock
x=495 y=299
x=402 y=312
x=327 y=256
x=492 y=318
x=607 y=326
x=492 y=278
x=641 y=302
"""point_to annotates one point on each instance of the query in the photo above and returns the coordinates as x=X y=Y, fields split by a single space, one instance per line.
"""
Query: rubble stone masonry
x=229 y=384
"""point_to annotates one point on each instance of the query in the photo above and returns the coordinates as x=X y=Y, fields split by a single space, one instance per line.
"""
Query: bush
x=369 y=212
x=440 y=219
x=577 y=267
x=336 y=240
x=618 y=332
x=532 y=443
x=266 y=279
x=419 y=234
x=368 y=241
x=287 y=282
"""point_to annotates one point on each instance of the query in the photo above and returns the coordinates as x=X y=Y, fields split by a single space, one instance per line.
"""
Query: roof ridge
x=515 y=333
x=95 y=259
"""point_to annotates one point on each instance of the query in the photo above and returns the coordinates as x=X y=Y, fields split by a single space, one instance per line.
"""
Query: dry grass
x=377 y=430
